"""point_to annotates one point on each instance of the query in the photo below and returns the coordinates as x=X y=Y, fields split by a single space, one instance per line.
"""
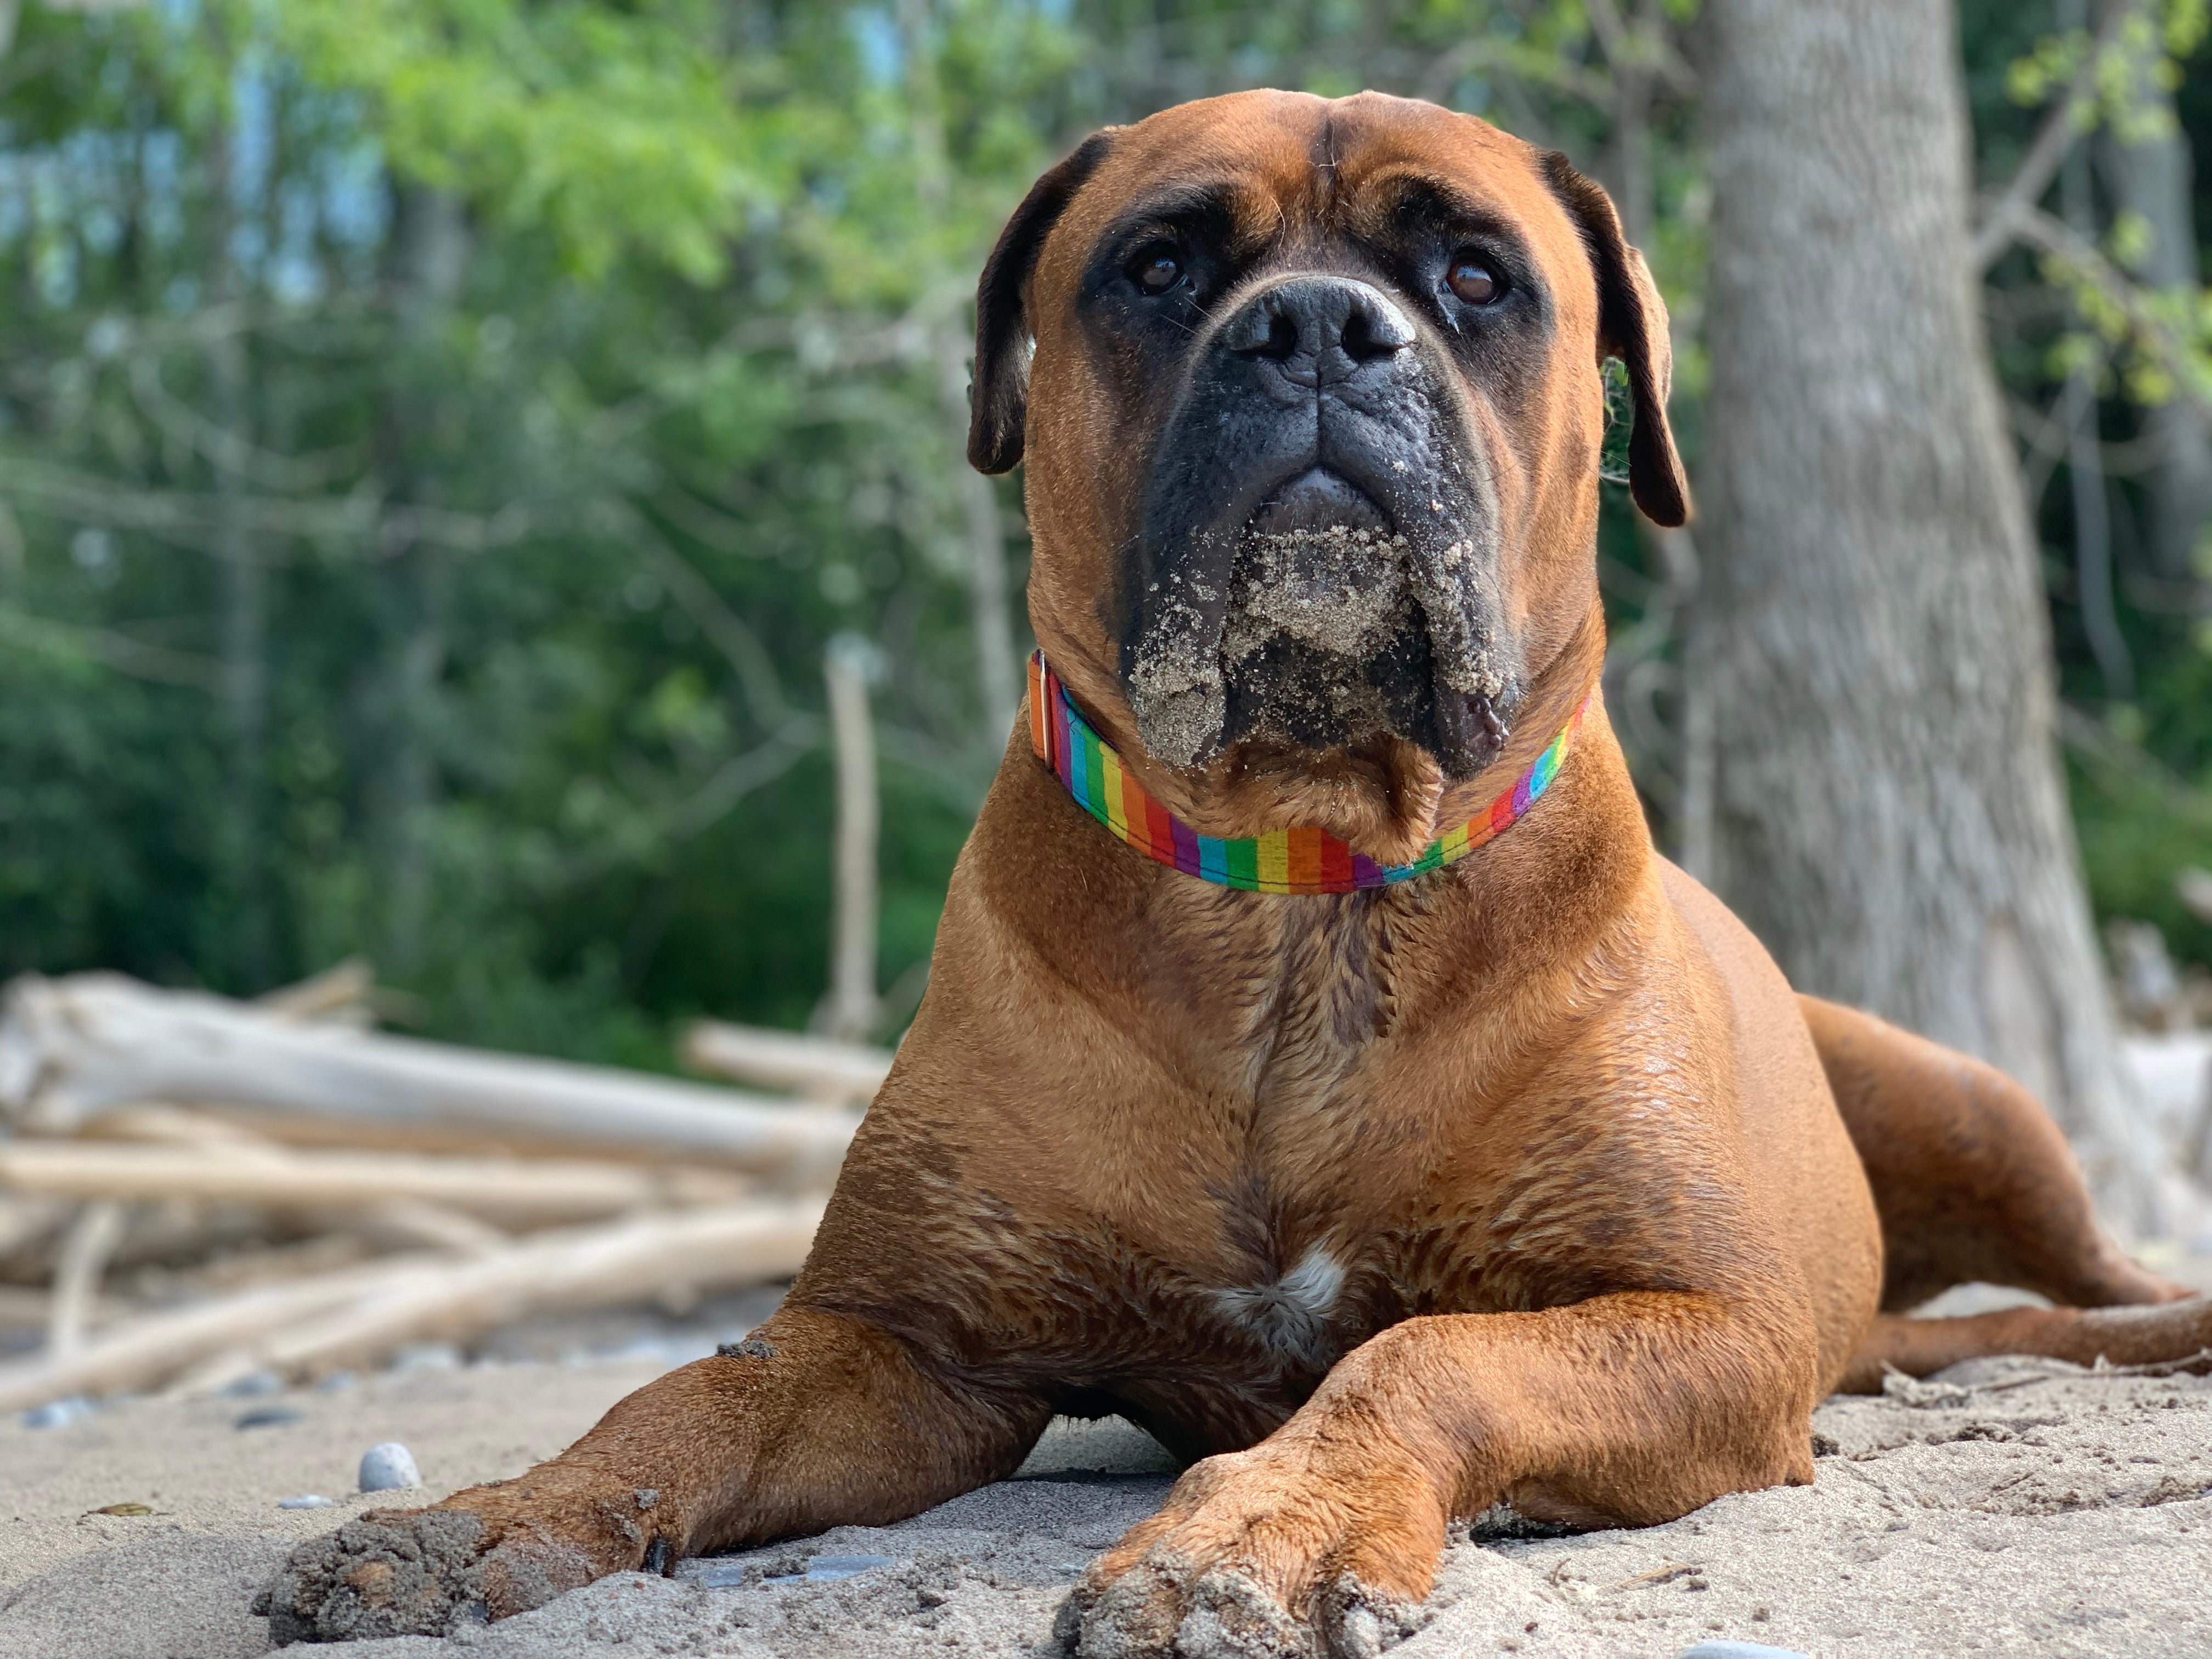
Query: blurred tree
x=495 y=407
x=439 y=438
x=2144 y=157
x=1889 y=818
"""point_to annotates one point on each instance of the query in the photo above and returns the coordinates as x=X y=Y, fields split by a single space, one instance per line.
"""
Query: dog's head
x=1310 y=394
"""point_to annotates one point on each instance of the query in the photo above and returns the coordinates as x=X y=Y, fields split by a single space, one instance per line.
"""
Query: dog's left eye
x=1156 y=269
x=1471 y=277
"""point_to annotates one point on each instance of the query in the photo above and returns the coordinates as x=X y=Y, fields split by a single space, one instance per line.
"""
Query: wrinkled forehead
x=1292 y=170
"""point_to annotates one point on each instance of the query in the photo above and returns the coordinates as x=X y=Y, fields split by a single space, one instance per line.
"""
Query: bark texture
x=1888 y=814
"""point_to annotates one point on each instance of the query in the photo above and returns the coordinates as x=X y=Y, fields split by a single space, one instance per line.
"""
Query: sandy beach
x=2011 y=1507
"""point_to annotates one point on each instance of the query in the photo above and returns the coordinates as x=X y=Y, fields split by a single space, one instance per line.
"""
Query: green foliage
x=438 y=438
x=608 y=127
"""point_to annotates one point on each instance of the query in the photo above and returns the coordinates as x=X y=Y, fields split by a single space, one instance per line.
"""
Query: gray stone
x=57 y=1414
x=717 y=1575
x=311 y=1500
x=426 y=1357
x=1741 y=1651
x=826 y=1569
x=388 y=1468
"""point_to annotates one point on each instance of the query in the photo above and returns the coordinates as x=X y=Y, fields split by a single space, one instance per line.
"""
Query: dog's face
x=1312 y=431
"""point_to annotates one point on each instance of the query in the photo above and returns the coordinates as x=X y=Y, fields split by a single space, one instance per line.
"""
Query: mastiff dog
x=1320 y=1067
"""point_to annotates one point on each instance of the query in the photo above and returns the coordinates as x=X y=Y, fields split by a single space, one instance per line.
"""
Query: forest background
x=442 y=442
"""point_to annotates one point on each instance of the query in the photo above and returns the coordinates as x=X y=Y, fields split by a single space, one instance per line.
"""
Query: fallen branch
x=142 y=1352
x=26 y=1222
x=704 y=1250
x=515 y=1191
x=418 y=1223
x=339 y=992
x=71 y=1047
x=822 y=1070
x=87 y=1248
x=359 y=1314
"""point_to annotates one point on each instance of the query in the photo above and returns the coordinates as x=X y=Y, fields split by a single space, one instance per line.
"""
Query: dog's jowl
x=1319 y=1066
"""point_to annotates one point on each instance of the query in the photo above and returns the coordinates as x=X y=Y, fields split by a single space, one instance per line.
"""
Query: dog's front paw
x=487 y=1553
x=1259 y=1555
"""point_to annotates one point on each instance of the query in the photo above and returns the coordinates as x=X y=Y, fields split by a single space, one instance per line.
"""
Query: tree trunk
x=72 y=1050
x=990 y=623
x=242 y=609
x=2146 y=165
x=990 y=618
x=244 y=642
x=852 y=1008
x=430 y=236
x=1888 y=812
x=2085 y=470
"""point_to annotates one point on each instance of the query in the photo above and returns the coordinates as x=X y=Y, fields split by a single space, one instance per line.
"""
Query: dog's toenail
x=657 y=1557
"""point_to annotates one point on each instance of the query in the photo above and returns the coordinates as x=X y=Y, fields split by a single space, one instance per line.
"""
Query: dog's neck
x=1210 y=976
x=1299 y=859
x=1389 y=803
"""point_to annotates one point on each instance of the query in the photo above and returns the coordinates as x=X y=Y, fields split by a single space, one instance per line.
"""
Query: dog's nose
x=1319 y=328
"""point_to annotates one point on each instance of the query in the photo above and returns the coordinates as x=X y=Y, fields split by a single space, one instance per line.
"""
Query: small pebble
x=388 y=1468
x=426 y=1357
x=825 y=1569
x=1742 y=1650
x=57 y=1414
x=311 y=1500
x=719 y=1575
x=263 y=1381
x=337 y=1381
x=268 y=1417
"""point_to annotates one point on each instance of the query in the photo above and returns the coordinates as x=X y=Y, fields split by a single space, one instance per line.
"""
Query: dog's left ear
x=1632 y=325
x=999 y=399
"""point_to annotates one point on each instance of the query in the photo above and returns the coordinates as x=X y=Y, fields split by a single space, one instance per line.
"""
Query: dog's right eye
x=1156 y=270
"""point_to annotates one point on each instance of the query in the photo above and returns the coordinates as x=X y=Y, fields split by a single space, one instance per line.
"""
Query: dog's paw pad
x=1233 y=1616
x=1360 y=1621
x=1134 y=1617
x=385 y=1574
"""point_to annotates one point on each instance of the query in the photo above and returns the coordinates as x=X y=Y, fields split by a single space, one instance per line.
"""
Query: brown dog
x=1524 y=1180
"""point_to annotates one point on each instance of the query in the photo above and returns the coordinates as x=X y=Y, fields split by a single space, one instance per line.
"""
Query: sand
x=2062 y=1515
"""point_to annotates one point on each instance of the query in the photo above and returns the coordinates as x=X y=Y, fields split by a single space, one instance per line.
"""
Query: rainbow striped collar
x=1297 y=860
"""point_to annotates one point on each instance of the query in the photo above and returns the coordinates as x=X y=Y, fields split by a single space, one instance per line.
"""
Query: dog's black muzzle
x=1318 y=558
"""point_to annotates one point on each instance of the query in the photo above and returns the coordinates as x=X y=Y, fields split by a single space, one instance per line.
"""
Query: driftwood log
x=360 y=1314
x=72 y=1048
x=818 y=1069
x=698 y=1250
x=150 y=1349
x=516 y=1192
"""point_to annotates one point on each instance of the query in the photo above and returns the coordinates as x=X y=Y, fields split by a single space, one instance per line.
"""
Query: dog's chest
x=1292 y=1172
x=1293 y=1316
x=1278 y=1000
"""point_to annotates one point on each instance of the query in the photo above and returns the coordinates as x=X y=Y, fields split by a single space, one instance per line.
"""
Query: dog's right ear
x=998 y=397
